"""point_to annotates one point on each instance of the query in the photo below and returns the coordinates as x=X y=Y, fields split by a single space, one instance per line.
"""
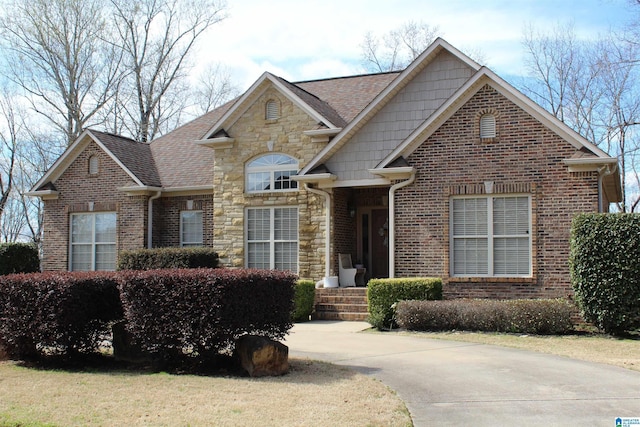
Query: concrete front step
x=341 y=304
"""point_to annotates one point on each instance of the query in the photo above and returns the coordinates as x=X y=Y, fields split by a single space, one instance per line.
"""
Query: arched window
x=488 y=126
x=271 y=172
x=271 y=110
x=94 y=165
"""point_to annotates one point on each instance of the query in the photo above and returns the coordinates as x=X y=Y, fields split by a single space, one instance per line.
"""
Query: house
x=443 y=169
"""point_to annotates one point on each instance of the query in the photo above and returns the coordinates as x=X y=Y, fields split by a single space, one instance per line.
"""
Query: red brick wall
x=344 y=227
x=525 y=157
x=77 y=189
x=166 y=219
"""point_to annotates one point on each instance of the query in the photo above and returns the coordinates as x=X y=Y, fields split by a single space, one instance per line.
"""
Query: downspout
x=150 y=219
x=392 y=221
x=327 y=243
x=603 y=172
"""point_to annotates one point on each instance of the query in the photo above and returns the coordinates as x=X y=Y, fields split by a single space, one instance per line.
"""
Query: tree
x=213 y=89
x=59 y=55
x=592 y=86
x=398 y=48
x=10 y=130
x=156 y=37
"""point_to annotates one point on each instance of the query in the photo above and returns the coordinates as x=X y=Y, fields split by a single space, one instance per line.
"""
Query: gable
x=399 y=117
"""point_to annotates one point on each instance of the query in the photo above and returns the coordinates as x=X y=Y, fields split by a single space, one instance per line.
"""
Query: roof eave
x=393 y=174
x=140 y=190
x=43 y=194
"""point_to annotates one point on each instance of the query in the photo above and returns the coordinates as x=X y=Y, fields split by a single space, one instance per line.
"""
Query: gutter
x=392 y=220
x=150 y=219
x=327 y=243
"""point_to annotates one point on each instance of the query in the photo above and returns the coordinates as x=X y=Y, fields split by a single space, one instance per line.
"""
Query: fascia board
x=254 y=92
x=62 y=163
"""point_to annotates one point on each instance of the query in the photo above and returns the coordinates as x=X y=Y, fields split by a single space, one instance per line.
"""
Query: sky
x=310 y=39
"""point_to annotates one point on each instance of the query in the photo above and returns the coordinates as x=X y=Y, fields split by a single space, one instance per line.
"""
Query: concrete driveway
x=446 y=383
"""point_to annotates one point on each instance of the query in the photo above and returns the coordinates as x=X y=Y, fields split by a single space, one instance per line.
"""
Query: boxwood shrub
x=305 y=293
x=160 y=258
x=19 y=258
x=66 y=314
x=383 y=294
x=199 y=312
x=541 y=316
x=605 y=270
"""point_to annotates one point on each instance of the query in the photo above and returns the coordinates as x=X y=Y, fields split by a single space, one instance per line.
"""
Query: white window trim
x=490 y=236
x=272 y=170
x=93 y=238
x=191 y=244
x=272 y=241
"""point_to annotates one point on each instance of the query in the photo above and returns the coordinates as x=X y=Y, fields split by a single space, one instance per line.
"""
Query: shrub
x=18 y=258
x=542 y=316
x=305 y=293
x=161 y=258
x=383 y=294
x=170 y=313
x=57 y=313
x=605 y=269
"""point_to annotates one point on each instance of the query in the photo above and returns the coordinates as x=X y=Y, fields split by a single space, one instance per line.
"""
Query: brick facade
x=524 y=158
x=81 y=192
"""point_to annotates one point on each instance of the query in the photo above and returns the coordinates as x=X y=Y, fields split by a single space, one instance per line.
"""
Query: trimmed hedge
x=19 y=258
x=171 y=313
x=57 y=313
x=155 y=259
x=605 y=270
x=305 y=294
x=383 y=294
x=542 y=316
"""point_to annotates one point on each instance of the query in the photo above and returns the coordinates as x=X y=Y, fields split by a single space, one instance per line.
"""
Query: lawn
x=313 y=393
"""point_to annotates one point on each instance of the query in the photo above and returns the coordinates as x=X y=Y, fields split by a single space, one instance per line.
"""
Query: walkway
x=456 y=383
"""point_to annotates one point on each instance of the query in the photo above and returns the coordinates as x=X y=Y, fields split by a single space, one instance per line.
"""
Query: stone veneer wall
x=77 y=191
x=525 y=157
x=255 y=136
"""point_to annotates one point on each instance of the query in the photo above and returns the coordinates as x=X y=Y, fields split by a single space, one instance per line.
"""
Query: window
x=488 y=126
x=190 y=228
x=272 y=172
x=94 y=165
x=93 y=241
x=272 y=238
x=491 y=236
x=271 y=110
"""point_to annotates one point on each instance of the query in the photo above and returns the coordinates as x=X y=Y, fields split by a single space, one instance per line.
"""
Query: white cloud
x=321 y=38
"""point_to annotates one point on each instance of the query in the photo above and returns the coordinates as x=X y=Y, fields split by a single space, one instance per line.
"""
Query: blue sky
x=308 y=39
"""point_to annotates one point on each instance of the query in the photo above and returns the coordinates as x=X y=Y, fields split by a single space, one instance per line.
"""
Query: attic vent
x=488 y=126
x=271 y=110
x=93 y=165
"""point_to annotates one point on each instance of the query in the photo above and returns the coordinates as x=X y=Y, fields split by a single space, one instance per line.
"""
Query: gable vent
x=94 y=166
x=271 y=110
x=488 y=126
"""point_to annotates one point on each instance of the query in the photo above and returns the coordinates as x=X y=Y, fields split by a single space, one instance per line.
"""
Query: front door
x=379 y=233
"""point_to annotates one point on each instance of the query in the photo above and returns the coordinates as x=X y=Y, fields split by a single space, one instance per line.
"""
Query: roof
x=135 y=156
x=343 y=105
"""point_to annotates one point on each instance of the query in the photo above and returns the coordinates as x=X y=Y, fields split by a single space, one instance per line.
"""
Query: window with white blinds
x=272 y=238
x=191 y=228
x=491 y=236
x=92 y=243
